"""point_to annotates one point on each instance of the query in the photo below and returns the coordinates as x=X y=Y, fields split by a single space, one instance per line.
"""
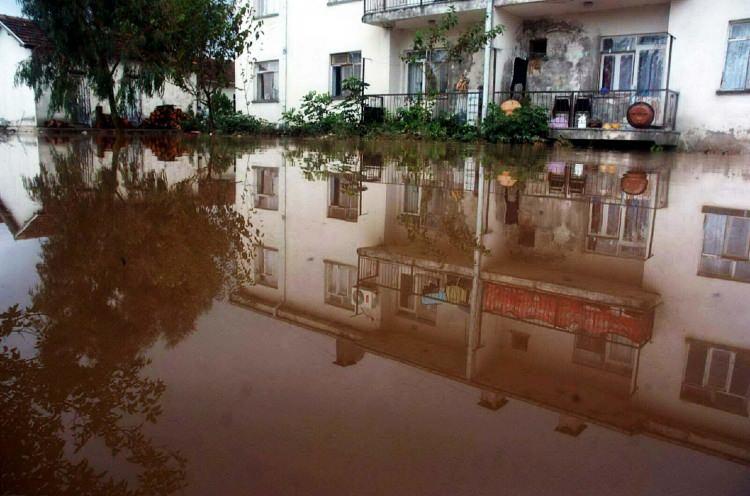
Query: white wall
x=708 y=309
x=706 y=119
x=16 y=102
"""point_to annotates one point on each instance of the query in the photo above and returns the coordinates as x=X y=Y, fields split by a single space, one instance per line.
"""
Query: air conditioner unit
x=364 y=298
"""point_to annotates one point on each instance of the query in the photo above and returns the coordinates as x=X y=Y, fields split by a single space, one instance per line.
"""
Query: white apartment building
x=687 y=59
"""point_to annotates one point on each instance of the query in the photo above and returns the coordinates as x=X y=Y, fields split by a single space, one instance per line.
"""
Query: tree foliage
x=117 y=48
x=213 y=35
x=131 y=261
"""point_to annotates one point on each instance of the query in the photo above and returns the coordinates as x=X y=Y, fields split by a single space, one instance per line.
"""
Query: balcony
x=387 y=12
x=466 y=106
x=591 y=115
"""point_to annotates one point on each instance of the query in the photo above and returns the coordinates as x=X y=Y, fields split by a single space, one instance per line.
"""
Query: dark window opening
x=538 y=48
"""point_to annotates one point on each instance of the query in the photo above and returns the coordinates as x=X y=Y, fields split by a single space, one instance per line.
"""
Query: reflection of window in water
x=267 y=188
x=717 y=376
x=343 y=198
x=726 y=244
x=611 y=352
x=622 y=230
x=414 y=305
x=411 y=199
x=267 y=266
x=340 y=281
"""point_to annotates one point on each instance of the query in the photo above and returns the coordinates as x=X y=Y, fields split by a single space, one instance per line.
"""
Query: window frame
x=734 y=261
x=622 y=243
x=332 y=67
x=335 y=298
x=260 y=77
x=335 y=210
x=270 y=280
x=689 y=391
x=722 y=89
x=270 y=8
x=603 y=360
x=259 y=172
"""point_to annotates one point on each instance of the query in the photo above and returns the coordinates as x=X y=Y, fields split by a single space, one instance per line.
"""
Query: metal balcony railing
x=608 y=108
x=377 y=6
x=467 y=106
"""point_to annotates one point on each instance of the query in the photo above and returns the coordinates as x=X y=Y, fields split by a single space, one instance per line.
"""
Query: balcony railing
x=377 y=6
x=606 y=108
x=466 y=106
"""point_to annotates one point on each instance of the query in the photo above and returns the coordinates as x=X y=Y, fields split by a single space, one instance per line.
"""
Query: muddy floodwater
x=192 y=316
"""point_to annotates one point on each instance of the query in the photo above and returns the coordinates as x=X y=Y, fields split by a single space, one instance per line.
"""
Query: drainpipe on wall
x=489 y=14
x=285 y=53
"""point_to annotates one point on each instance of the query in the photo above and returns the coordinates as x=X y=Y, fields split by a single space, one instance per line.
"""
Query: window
x=343 y=198
x=267 y=188
x=267 y=78
x=634 y=62
x=265 y=8
x=267 y=266
x=340 y=281
x=538 y=48
x=343 y=67
x=726 y=244
x=611 y=352
x=737 y=66
x=423 y=308
x=519 y=340
x=411 y=199
x=621 y=230
x=431 y=72
x=717 y=376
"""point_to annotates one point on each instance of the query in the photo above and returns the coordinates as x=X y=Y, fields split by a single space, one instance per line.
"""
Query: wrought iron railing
x=466 y=106
x=602 y=108
x=376 y=6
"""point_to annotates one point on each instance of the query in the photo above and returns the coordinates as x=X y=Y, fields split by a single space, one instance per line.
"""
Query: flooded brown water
x=185 y=316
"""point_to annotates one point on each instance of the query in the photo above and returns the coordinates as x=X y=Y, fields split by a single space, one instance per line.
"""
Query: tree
x=213 y=34
x=458 y=49
x=118 y=48
x=132 y=260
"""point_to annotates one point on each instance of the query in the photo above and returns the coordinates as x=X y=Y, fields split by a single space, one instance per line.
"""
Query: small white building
x=18 y=37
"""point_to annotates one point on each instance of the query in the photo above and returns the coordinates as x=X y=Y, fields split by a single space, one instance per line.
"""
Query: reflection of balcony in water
x=562 y=326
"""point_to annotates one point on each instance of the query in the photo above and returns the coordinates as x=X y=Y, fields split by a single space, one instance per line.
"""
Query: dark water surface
x=185 y=316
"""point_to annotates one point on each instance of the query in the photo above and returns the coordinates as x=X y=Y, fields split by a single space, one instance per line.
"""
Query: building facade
x=590 y=58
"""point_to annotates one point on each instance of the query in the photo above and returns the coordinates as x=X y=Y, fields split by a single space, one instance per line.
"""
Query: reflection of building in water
x=162 y=159
x=610 y=285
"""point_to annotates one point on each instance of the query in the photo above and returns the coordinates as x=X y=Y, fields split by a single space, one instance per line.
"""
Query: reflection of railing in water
x=464 y=178
x=409 y=280
x=609 y=107
x=602 y=182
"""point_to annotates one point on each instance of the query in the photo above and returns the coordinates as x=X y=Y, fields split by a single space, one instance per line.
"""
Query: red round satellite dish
x=640 y=115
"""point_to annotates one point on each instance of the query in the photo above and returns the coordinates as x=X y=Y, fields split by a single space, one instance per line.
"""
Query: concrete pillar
x=492 y=400
x=569 y=425
x=347 y=353
x=475 y=301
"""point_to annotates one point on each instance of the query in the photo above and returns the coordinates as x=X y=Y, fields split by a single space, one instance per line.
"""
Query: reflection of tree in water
x=130 y=261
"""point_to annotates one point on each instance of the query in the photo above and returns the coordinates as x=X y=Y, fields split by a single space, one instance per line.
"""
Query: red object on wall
x=567 y=314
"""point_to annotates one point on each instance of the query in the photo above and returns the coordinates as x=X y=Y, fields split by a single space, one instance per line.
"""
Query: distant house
x=18 y=37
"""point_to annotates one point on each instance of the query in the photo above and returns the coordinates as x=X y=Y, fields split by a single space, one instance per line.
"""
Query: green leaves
x=526 y=124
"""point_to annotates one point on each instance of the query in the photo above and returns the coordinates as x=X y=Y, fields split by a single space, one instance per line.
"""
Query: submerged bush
x=525 y=124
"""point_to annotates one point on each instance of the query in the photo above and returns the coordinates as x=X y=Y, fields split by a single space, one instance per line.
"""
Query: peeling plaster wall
x=572 y=60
